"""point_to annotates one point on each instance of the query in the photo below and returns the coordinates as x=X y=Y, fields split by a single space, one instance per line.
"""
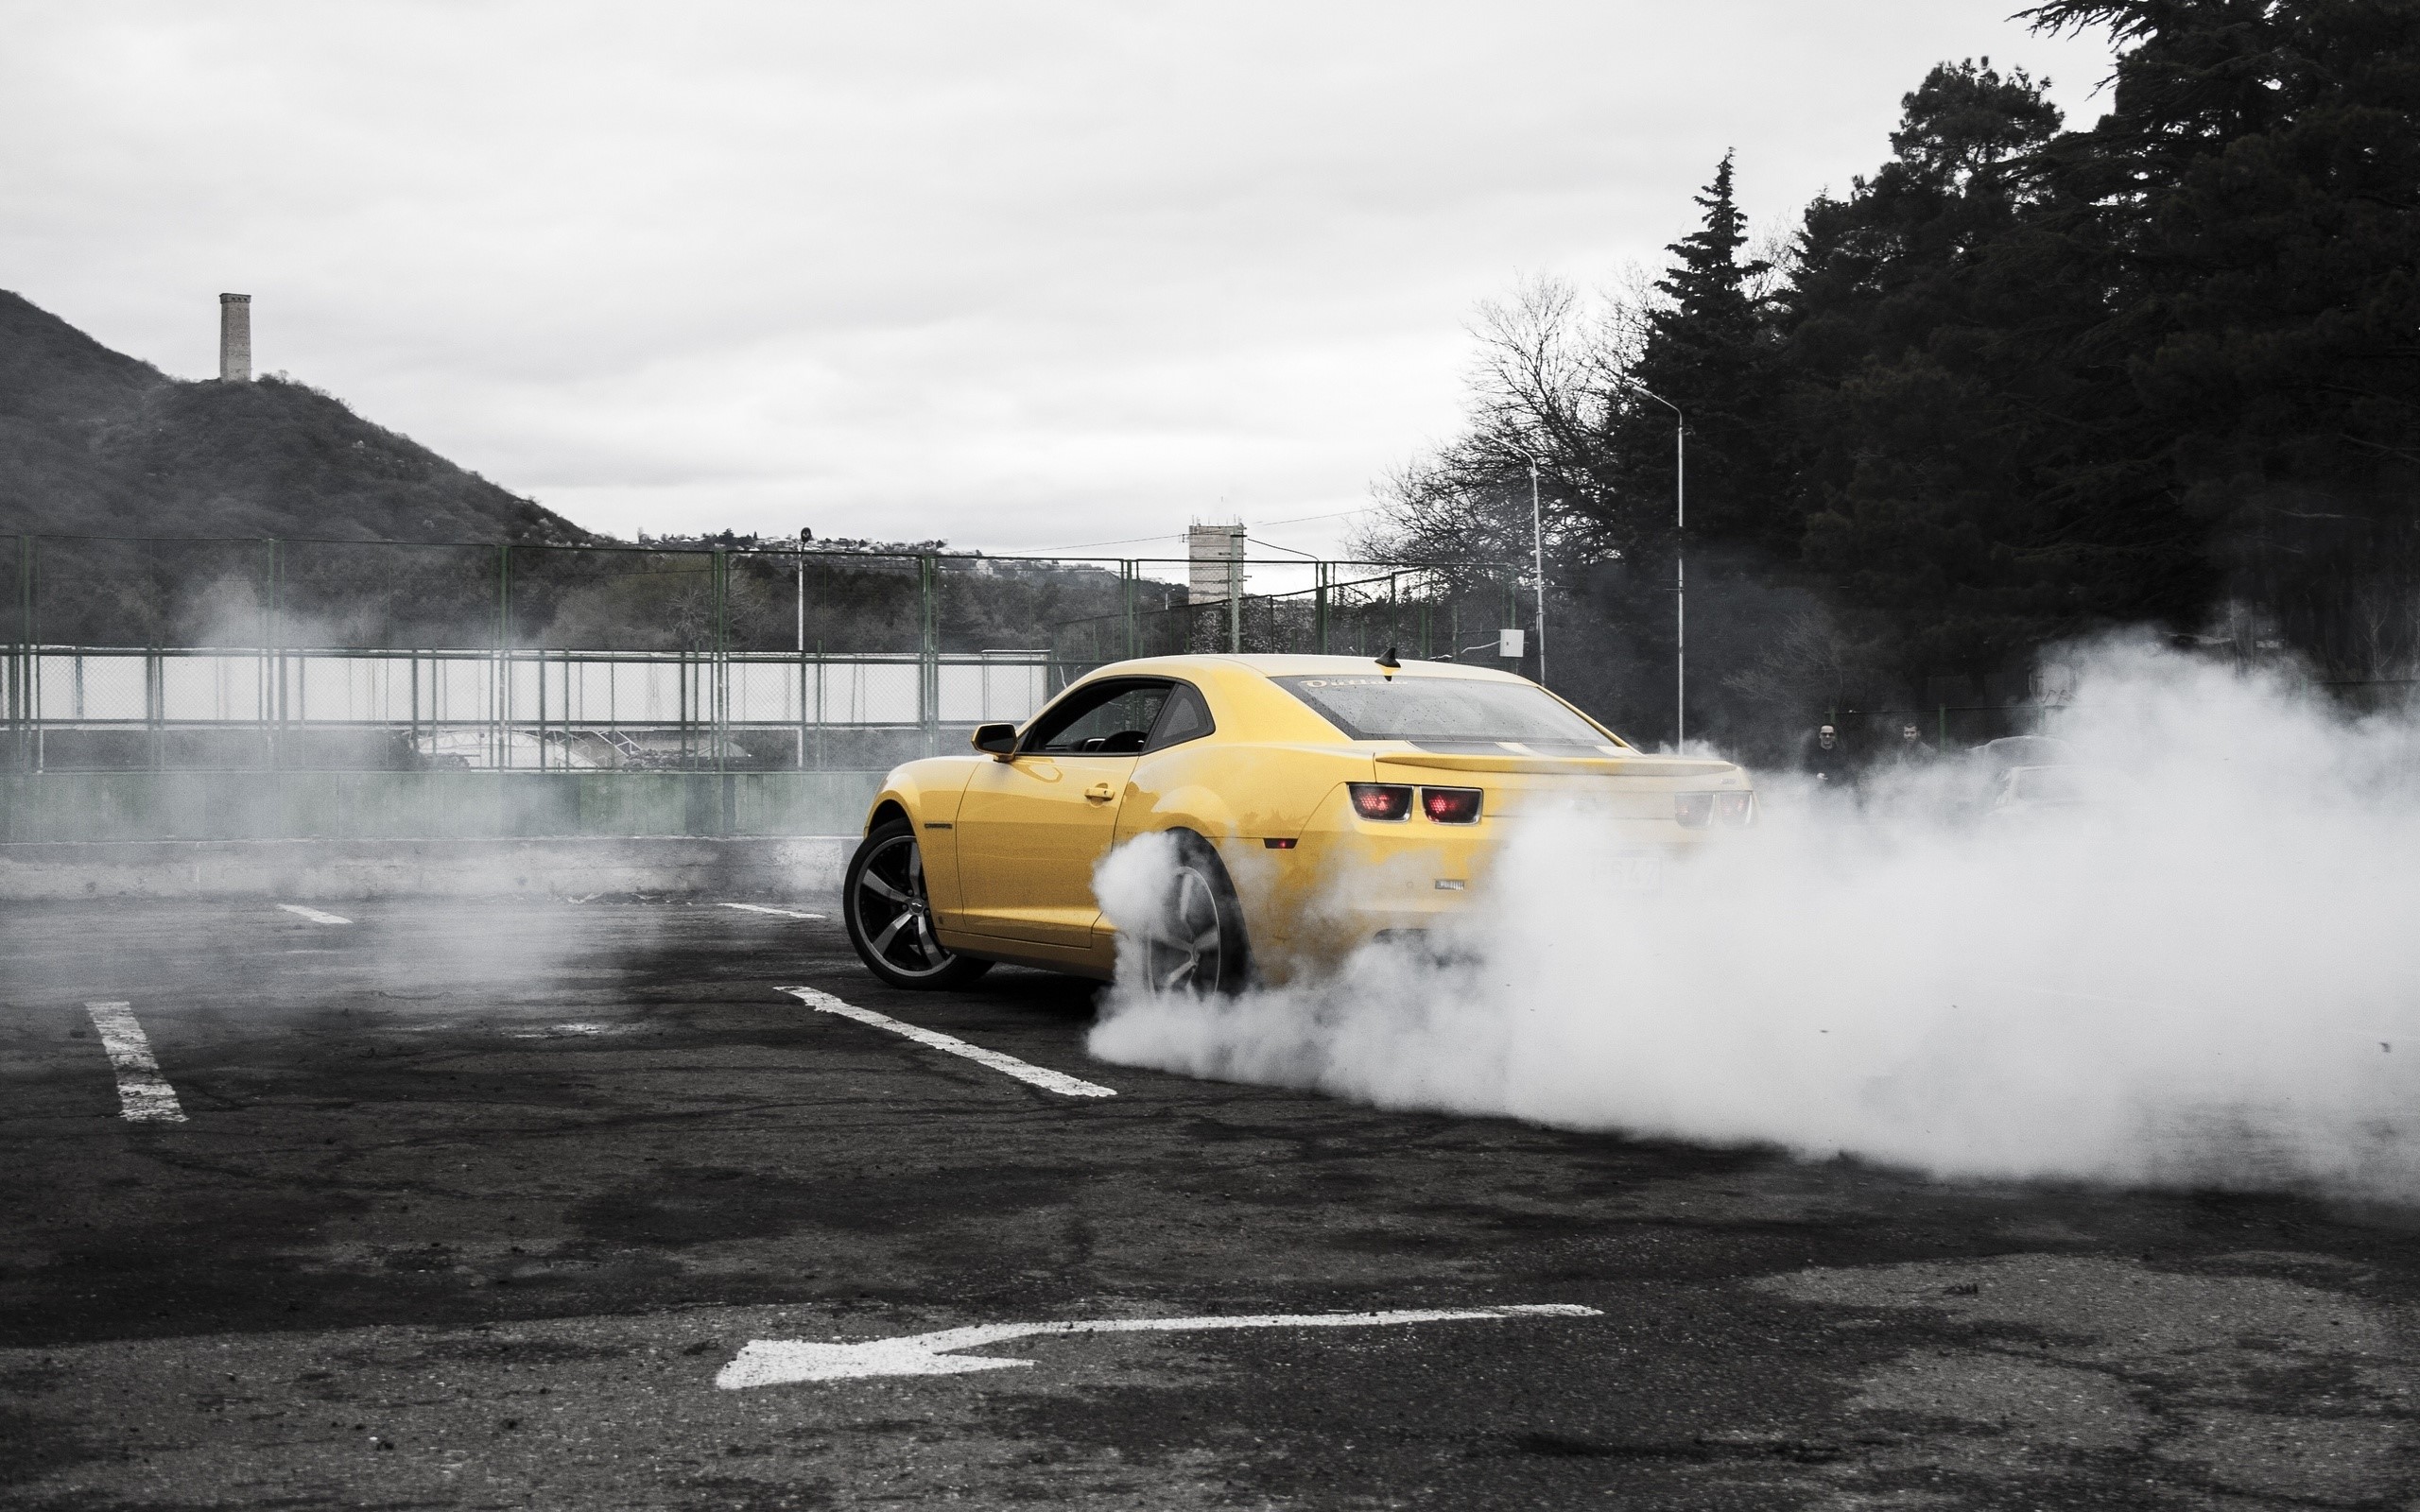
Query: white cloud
x=1014 y=274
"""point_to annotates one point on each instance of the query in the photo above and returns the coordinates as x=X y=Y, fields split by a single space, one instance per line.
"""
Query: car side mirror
x=998 y=741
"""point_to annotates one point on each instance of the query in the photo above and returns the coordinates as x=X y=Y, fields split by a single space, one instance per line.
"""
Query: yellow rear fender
x=1234 y=789
x=1192 y=807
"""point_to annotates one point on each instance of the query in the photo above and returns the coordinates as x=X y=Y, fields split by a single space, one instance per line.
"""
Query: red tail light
x=1694 y=810
x=1736 y=810
x=1381 y=801
x=1451 y=805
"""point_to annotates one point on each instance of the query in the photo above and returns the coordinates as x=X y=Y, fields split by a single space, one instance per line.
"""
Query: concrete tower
x=236 y=338
x=1216 y=555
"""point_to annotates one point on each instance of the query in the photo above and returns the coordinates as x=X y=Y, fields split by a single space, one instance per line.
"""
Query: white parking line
x=776 y=1362
x=785 y=913
x=314 y=915
x=1052 y=1081
x=143 y=1097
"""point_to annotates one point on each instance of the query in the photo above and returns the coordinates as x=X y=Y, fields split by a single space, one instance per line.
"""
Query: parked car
x=1998 y=757
x=2032 y=793
x=1312 y=803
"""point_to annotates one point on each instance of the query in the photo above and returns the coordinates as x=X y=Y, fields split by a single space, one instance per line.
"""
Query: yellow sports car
x=1313 y=801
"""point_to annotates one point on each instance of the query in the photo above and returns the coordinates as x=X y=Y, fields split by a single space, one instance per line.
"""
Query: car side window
x=1114 y=719
x=1185 y=717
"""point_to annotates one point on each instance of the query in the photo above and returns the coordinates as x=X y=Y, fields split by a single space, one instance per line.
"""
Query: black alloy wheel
x=1195 y=944
x=890 y=918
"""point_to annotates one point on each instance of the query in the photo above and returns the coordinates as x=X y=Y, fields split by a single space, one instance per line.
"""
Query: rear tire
x=883 y=900
x=1195 y=944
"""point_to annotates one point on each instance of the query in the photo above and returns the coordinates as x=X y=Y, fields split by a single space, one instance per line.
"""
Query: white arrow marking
x=776 y=1362
x=1049 y=1081
x=143 y=1095
x=314 y=915
x=785 y=913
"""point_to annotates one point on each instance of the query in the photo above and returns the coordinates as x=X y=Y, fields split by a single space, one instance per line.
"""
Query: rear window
x=1443 y=709
x=2065 y=784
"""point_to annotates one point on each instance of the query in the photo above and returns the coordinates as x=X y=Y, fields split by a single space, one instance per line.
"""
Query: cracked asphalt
x=472 y=1202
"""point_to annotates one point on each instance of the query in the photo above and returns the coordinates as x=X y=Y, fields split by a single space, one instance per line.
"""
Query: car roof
x=2017 y=749
x=1300 y=666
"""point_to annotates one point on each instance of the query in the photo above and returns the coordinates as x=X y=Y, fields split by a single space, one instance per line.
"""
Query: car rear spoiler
x=1558 y=766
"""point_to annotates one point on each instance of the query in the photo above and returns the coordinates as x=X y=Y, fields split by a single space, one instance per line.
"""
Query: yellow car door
x=1031 y=829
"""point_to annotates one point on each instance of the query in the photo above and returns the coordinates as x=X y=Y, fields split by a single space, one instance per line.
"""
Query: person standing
x=1825 y=759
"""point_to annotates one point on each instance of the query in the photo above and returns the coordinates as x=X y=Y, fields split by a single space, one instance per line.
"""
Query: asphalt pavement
x=562 y=1205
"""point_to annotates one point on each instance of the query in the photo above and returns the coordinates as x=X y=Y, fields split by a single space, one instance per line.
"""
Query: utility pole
x=1680 y=562
x=1537 y=562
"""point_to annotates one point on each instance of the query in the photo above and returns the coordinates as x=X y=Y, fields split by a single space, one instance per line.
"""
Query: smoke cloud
x=2210 y=976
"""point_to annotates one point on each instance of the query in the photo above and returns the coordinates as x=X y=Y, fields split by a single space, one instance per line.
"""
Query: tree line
x=2025 y=381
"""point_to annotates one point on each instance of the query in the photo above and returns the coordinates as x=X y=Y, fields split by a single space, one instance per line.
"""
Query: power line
x=1081 y=546
x=1307 y=518
x=1133 y=541
x=1274 y=546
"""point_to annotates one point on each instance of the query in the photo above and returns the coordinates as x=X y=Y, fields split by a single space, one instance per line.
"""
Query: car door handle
x=1100 y=792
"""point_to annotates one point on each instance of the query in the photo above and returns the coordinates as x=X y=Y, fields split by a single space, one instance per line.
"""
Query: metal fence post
x=500 y=705
x=802 y=658
x=1235 y=601
x=1126 y=571
x=721 y=692
x=273 y=707
x=540 y=661
x=22 y=666
x=1318 y=611
x=929 y=681
x=155 y=698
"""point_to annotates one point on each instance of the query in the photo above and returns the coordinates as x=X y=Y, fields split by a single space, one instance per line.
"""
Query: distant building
x=1217 y=557
x=236 y=338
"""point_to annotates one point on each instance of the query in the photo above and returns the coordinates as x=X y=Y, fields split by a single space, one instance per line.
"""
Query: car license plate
x=1639 y=874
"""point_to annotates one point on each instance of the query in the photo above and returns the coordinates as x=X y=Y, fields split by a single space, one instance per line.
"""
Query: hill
x=96 y=443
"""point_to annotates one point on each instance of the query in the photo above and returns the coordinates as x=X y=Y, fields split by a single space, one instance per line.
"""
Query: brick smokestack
x=236 y=338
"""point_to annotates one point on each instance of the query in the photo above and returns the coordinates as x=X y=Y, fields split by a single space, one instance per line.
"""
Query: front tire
x=1195 y=944
x=890 y=916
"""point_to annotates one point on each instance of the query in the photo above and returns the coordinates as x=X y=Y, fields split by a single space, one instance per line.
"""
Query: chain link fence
x=129 y=655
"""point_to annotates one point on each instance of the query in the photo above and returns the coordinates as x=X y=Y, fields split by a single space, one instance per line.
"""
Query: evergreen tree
x=2020 y=384
x=1707 y=353
x=2256 y=192
x=1931 y=323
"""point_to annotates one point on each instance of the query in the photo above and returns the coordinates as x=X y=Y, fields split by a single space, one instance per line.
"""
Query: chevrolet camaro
x=1311 y=803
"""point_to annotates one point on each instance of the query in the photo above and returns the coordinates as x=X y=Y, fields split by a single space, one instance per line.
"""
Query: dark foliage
x=2019 y=384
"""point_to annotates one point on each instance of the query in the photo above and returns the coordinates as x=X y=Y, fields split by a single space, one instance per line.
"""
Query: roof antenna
x=1388 y=664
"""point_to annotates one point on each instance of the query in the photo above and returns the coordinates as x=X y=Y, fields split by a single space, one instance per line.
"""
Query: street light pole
x=1680 y=582
x=1538 y=561
x=804 y=536
x=1680 y=562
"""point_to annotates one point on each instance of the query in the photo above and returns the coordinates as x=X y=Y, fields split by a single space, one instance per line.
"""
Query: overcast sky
x=1017 y=275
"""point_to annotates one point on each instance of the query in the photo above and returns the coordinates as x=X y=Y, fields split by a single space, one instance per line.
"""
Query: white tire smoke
x=2206 y=974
